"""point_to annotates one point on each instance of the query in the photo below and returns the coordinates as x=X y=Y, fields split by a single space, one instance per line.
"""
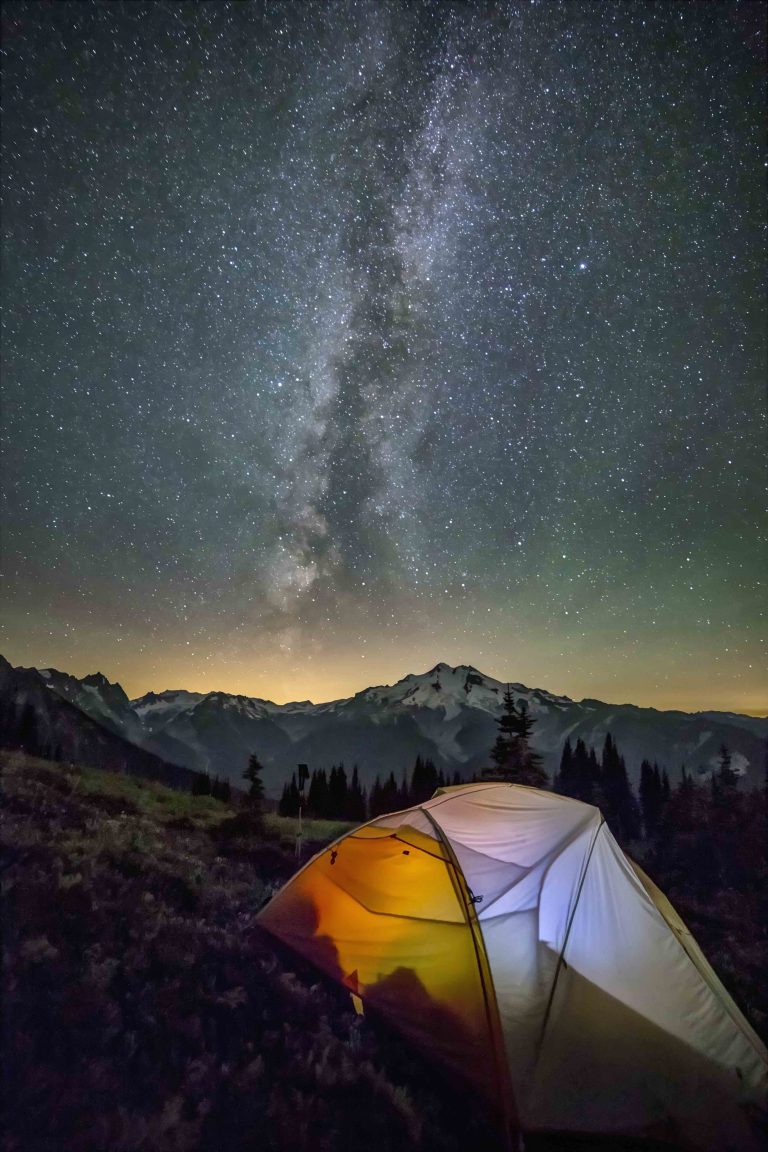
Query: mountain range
x=448 y=714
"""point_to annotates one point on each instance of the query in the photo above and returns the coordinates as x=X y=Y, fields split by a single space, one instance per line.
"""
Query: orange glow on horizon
x=285 y=678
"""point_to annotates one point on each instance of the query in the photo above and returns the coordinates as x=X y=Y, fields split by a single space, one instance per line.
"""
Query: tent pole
x=513 y=1133
x=569 y=925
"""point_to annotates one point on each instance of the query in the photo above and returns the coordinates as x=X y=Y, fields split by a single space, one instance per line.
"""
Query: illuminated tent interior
x=502 y=930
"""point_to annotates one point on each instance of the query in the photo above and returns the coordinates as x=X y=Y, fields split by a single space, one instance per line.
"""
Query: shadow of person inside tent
x=401 y=999
x=297 y=923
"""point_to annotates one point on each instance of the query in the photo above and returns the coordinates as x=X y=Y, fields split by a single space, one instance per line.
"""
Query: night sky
x=343 y=338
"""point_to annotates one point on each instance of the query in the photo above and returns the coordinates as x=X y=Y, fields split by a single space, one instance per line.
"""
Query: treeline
x=605 y=783
x=203 y=785
x=711 y=837
x=335 y=796
x=706 y=846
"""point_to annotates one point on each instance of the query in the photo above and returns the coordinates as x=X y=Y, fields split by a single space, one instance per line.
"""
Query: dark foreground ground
x=143 y=1010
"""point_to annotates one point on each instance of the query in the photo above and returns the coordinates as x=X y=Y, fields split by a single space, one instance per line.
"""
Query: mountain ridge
x=43 y=719
x=447 y=713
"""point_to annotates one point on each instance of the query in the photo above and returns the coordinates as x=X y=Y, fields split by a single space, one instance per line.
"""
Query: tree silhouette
x=620 y=807
x=424 y=781
x=253 y=775
x=355 y=802
x=289 y=800
x=513 y=758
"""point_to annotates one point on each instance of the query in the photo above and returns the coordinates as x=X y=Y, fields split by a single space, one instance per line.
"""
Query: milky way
x=341 y=338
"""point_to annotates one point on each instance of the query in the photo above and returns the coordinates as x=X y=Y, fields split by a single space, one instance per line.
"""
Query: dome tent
x=502 y=930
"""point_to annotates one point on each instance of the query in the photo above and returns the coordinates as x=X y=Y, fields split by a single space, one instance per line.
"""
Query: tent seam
x=400 y=840
x=393 y=915
x=527 y=869
x=490 y=1001
x=561 y=956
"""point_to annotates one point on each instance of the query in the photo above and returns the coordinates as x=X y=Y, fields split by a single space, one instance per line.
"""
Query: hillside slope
x=143 y=1010
x=36 y=717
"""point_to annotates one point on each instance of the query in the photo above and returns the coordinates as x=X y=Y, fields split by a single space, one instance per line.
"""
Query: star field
x=341 y=338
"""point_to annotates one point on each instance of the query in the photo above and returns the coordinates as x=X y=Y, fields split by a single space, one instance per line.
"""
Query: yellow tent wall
x=386 y=912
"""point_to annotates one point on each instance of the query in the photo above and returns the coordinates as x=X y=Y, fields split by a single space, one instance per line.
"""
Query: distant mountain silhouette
x=448 y=714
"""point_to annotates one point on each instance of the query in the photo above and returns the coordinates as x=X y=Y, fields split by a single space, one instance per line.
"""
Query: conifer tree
x=317 y=797
x=201 y=784
x=355 y=805
x=375 y=807
x=225 y=791
x=514 y=760
x=337 y=793
x=389 y=794
x=578 y=775
x=531 y=769
x=725 y=776
x=620 y=807
x=423 y=781
x=256 y=790
x=584 y=773
x=563 y=781
x=525 y=721
x=289 y=800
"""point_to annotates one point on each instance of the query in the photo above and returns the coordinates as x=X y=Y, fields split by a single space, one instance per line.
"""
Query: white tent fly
x=505 y=933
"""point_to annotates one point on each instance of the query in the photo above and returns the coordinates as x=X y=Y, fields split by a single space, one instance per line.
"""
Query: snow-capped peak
x=164 y=706
x=443 y=687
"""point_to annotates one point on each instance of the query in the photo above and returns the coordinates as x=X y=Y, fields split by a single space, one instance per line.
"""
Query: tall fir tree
x=563 y=781
x=201 y=784
x=390 y=794
x=513 y=758
x=620 y=807
x=374 y=800
x=337 y=793
x=578 y=776
x=289 y=800
x=317 y=796
x=355 y=806
x=256 y=785
x=424 y=781
x=725 y=779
